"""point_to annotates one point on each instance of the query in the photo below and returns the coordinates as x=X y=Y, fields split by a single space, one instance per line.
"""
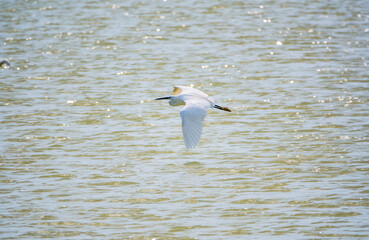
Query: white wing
x=190 y=91
x=193 y=115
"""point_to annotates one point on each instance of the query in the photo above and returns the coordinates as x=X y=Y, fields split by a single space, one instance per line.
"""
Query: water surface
x=86 y=153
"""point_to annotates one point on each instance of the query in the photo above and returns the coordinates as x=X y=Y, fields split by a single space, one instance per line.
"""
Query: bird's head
x=173 y=100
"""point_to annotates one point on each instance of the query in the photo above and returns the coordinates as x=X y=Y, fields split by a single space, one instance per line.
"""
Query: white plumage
x=196 y=106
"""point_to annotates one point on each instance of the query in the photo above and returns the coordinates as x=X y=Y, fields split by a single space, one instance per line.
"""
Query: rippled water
x=87 y=154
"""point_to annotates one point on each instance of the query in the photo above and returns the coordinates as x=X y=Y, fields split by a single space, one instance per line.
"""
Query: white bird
x=196 y=105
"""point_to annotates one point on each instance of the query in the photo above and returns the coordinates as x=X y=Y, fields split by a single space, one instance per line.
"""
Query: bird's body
x=196 y=105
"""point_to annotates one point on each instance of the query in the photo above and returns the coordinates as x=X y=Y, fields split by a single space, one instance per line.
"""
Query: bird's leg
x=222 y=108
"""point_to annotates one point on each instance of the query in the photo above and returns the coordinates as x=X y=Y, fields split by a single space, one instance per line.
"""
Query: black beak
x=162 y=98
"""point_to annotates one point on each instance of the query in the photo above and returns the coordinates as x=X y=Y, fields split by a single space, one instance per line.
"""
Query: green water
x=86 y=153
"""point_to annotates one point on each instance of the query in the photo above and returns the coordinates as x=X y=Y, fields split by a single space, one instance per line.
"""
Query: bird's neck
x=175 y=101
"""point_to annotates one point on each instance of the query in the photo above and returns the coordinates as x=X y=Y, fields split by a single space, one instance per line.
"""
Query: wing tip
x=177 y=90
x=190 y=140
x=190 y=146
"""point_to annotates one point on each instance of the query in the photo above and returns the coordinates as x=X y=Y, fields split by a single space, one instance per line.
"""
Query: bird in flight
x=193 y=113
x=4 y=62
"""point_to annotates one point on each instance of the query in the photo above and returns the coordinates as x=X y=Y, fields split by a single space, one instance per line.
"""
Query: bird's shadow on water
x=193 y=164
x=181 y=155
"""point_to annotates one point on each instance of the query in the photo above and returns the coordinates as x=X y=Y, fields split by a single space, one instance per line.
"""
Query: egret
x=193 y=113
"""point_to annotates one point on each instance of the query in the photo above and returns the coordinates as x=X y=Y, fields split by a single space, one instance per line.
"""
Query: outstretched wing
x=189 y=91
x=177 y=90
x=193 y=115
